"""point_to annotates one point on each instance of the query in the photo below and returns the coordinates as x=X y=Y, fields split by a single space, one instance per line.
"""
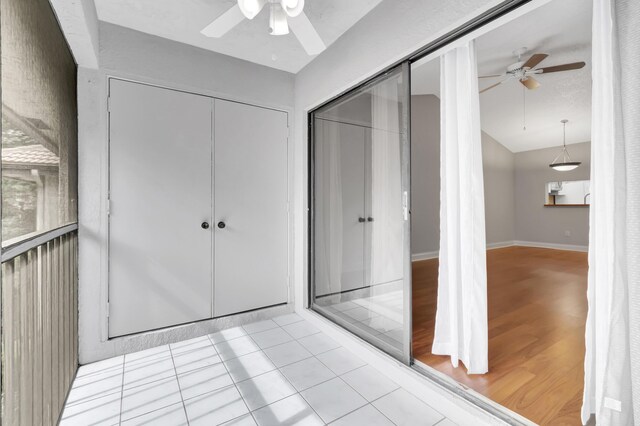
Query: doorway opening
x=536 y=216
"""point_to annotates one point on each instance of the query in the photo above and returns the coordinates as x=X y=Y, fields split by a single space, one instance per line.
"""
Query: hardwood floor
x=537 y=311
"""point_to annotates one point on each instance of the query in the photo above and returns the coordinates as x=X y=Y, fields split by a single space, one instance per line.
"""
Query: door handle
x=221 y=225
x=369 y=219
x=205 y=225
x=361 y=219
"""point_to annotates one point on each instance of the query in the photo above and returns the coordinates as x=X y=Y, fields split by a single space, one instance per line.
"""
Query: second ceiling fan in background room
x=523 y=71
x=284 y=14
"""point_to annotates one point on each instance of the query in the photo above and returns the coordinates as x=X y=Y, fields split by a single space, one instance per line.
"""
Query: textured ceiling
x=182 y=20
x=562 y=29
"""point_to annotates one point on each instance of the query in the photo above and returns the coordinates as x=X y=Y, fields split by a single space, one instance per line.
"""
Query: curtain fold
x=461 y=329
x=609 y=391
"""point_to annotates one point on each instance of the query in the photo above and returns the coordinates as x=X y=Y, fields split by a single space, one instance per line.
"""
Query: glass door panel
x=360 y=229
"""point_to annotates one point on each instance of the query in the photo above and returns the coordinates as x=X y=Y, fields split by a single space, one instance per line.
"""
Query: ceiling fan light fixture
x=250 y=8
x=292 y=8
x=278 y=20
x=565 y=164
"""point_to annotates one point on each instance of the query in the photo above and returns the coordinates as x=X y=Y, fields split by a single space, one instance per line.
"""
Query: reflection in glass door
x=360 y=263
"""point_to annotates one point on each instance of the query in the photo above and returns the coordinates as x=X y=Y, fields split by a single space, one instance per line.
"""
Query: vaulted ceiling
x=561 y=29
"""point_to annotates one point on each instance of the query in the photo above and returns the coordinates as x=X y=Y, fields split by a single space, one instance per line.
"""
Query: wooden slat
x=40 y=336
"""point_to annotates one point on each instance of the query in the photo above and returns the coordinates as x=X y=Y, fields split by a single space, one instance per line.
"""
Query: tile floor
x=274 y=372
x=379 y=315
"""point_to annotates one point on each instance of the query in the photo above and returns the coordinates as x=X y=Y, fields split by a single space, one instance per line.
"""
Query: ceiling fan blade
x=224 y=23
x=534 y=60
x=491 y=76
x=530 y=83
x=493 y=85
x=306 y=34
x=565 y=67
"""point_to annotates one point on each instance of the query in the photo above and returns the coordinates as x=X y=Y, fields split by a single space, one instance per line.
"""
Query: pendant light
x=565 y=164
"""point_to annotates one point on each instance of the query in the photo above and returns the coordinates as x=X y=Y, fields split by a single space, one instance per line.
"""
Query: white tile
x=150 y=397
x=95 y=385
x=215 y=407
x=269 y=338
x=340 y=360
x=103 y=411
x=140 y=372
x=446 y=422
x=300 y=329
x=228 y=334
x=148 y=354
x=344 y=306
x=236 y=347
x=383 y=324
x=307 y=373
x=395 y=335
x=318 y=343
x=360 y=313
x=172 y=415
x=287 y=353
x=365 y=416
x=248 y=366
x=195 y=358
x=287 y=319
x=246 y=420
x=265 y=389
x=204 y=380
x=290 y=411
x=190 y=345
x=402 y=408
x=109 y=365
x=333 y=399
x=369 y=382
x=257 y=327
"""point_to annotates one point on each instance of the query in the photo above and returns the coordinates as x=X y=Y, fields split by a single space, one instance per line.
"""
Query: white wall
x=133 y=55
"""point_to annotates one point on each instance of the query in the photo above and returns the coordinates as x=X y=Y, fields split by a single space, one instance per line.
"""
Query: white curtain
x=461 y=318
x=612 y=339
x=329 y=219
x=387 y=228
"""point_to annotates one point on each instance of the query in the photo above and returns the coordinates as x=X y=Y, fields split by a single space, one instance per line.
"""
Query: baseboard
x=501 y=244
x=569 y=247
x=434 y=254
x=424 y=256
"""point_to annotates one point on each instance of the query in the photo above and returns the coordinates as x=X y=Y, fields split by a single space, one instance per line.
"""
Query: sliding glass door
x=360 y=257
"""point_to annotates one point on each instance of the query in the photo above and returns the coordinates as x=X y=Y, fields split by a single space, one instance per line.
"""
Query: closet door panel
x=250 y=151
x=160 y=270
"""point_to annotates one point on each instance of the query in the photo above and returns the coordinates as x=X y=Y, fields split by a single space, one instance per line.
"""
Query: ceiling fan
x=523 y=71
x=284 y=14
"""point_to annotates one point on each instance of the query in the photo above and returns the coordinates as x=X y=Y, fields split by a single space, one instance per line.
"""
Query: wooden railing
x=40 y=329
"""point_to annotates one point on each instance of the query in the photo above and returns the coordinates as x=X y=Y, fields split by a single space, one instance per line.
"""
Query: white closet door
x=250 y=146
x=160 y=185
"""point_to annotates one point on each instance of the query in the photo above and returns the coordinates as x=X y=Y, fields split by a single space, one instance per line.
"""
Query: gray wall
x=499 y=181
x=499 y=191
x=537 y=223
x=425 y=174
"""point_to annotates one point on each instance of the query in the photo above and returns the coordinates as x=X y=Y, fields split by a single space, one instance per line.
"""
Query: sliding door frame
x=405 y=354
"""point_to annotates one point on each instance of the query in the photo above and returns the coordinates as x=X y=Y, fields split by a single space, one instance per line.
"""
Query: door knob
x=221 y=225
x=369 y=219
x=361 y=219
x=205 y=225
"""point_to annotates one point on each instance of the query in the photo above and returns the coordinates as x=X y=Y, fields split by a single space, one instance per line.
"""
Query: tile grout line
x=234 y=385
x=175 y=370
x=124 y=360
